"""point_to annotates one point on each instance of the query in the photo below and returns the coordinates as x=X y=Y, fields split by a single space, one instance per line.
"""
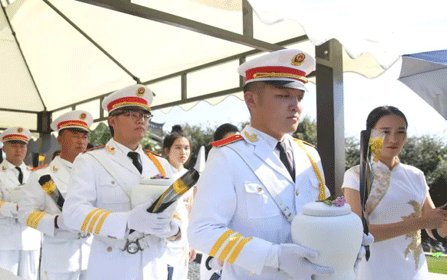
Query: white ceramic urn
x=334 y=232
x=148 y=190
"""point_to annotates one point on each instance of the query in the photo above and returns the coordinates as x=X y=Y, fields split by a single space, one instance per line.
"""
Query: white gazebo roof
x=67 y=53
x=57 y=55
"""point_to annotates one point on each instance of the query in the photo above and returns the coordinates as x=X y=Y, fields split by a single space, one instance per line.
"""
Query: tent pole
x=330 y=113
x=247 y=19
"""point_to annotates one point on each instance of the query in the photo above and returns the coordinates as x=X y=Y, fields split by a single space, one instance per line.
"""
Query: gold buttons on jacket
x=113 y=182
x=259 y=189
x=297 y=192
x=109 y=249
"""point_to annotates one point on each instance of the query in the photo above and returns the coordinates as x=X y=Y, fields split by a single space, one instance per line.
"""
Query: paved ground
x=194 y=271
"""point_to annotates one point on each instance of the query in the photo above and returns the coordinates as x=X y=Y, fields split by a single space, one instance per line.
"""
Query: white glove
x=173 y=233
x=150 y=223
x=61 y=224
x=366 y=241
x=293 y=260
x=9 y=209
x=212 y=264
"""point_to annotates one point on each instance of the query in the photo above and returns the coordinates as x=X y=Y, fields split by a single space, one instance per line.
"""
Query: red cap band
x=11 y=137
x=249 y=74
x=131 y=101
x=72 y=123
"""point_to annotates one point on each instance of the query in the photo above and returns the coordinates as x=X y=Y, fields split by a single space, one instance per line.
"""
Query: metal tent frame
x=329 y=77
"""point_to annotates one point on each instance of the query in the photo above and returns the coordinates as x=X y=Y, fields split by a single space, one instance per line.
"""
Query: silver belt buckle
x=83 y=235
x=132 y=247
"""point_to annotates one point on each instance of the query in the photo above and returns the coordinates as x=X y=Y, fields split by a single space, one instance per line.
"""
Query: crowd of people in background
x=85 y=215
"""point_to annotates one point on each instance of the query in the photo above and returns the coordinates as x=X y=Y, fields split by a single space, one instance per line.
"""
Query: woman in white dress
x=398 y=206
x=177 y=148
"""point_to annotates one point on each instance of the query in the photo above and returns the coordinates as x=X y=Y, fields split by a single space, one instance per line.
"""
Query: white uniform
x=19 y=245
x=205 y=273
x=177 y=253
x=234 y=218
x=64 y=253
x=96 y=202
x=396 y=195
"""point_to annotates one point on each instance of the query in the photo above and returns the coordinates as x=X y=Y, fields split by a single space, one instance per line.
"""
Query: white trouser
x=76 y=275
x=21 y=263
x=178 y=258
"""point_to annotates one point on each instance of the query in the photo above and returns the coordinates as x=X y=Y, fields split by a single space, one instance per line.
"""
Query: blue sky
x=361 y=95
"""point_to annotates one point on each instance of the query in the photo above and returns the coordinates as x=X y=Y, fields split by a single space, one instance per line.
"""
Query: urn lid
x=321 y=209
x=157 y=182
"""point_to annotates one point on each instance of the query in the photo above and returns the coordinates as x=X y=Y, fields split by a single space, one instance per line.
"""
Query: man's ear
x=250 y=99
x=111 y=121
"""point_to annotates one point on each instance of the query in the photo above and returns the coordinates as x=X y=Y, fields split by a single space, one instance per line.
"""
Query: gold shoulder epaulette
x=40 y=167
x=226 y=141
x=94 y=148
x=146 y=151
x=304 y=142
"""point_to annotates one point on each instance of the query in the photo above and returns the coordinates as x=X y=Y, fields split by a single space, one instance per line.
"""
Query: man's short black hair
x=254 y=87
x=224 y=129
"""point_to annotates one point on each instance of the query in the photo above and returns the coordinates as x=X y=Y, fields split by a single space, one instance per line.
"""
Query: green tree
x=199 y=137
x=424 y=153
x=100 y=136
x=352 y=152
x=438 y=185
x=307 y=131
x=151 y=144
x=429 y=154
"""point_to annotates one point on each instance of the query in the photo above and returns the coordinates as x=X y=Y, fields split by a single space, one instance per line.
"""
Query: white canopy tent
x=66 y=52
x=386 y=29
x=57 y=55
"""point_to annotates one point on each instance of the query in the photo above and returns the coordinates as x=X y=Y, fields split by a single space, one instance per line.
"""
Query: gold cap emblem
x=83 y=116
x=298 y=59
x=141 y=91
x=19 y=130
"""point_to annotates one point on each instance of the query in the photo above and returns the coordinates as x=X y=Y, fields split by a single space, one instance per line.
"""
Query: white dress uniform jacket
x=62 y=251
x=97 y=203
x=13 y=235
x=234 y=218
